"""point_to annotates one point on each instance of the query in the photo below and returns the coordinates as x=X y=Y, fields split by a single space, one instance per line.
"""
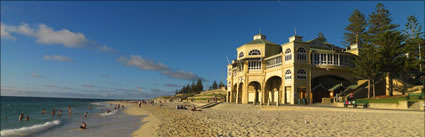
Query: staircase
x=359 y=90
x=208 y=105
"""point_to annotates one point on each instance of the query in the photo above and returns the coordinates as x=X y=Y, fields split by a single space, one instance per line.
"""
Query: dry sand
x=249 y=120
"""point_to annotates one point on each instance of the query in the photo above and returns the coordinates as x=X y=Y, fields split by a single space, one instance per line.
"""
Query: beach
x=249 y=120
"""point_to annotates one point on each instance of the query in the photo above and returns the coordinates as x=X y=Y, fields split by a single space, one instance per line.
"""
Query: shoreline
x=150 y=123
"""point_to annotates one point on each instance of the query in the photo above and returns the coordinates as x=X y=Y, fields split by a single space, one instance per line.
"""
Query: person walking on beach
x=21 y=116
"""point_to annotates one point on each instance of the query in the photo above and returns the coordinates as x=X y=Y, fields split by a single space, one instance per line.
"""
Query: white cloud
x=4 y=33
x=171 y=85
x=58 y=58
x=49 y=36
x=145 y=64
x=142 y=63
x=106 y=48
x=88 y=86
x=36 y=75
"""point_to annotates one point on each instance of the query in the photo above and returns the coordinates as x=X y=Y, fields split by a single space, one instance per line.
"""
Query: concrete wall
x=400 y=105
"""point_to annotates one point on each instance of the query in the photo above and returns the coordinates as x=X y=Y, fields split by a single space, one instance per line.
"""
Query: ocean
x=99 y=122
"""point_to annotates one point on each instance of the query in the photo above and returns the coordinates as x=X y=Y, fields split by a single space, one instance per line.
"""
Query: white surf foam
x=105 y=114
x=98 y=103
x=24 y=131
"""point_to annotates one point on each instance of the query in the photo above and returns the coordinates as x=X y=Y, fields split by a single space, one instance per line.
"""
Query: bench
x=420 y=95
x=356 y=104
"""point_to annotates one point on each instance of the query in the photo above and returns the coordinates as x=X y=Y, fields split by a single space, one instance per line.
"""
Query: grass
x=394 y=99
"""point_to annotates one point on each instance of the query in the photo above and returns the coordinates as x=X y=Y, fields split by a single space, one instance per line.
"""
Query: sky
x=143 y=49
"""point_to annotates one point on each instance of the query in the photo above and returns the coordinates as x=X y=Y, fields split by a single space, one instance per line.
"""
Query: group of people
x=118 y=106
x=21 y=117
x=184 y=107
x=43 y=111
x=181 y=107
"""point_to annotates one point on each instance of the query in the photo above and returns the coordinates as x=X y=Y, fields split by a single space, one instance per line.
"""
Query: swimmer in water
x=21 y=116
x=85 y=114
x=60 y=112
x=53 y=112
x=69 y=110
x=28 y=117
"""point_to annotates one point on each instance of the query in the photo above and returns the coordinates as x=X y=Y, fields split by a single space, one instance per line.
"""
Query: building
x=295 y=72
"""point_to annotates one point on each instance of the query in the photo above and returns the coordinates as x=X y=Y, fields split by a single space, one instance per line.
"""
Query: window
x=301 y=55
x=322 y=58
x=315 y=58
x=301 y=74
x=288 y=74
x=241 y=55
x=254 y=52
x=330 y=59
x=274 y=62
x=336 y=59
x=288 y=55
x=254 y=65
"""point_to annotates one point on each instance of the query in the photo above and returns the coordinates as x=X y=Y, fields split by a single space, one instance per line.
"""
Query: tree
x=390 y=52
x=380 y=21
x=199 y=86
x=193 y=87
x=414 y=43
x=388 y=42
x=321 y=37
x=221 y=85
x=367 y=66
x=356 y=28
x=214 y=85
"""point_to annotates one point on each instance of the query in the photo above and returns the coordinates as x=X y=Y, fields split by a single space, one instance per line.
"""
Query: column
x=339 y=59
x=255 y=96
x=237 y=94
x=262 y=94
x=228 y=94
x=245 y=92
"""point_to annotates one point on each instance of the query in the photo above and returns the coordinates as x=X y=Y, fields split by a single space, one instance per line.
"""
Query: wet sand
x=249 y=120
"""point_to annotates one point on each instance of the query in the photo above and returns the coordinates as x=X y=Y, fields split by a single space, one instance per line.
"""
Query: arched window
x=301 y=55
x=288 y=55
x=254 y=52
x=241 y=55
x=288 y=74
x=301 y=74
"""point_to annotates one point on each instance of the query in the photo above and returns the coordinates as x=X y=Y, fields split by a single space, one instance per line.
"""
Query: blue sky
x=146 y=49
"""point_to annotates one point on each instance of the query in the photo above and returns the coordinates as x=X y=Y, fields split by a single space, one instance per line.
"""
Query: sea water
x=99 y=122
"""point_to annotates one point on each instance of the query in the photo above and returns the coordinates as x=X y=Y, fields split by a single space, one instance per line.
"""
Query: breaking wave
x=24 y=131
x=105 y=114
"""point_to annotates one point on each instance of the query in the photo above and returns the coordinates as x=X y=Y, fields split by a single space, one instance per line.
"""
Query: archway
x=240 y=92
x=321 y=84
x=254 y=90
x=272 y=90
x=233 y=97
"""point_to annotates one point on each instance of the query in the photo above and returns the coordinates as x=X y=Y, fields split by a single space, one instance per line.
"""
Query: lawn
x=393 y=99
